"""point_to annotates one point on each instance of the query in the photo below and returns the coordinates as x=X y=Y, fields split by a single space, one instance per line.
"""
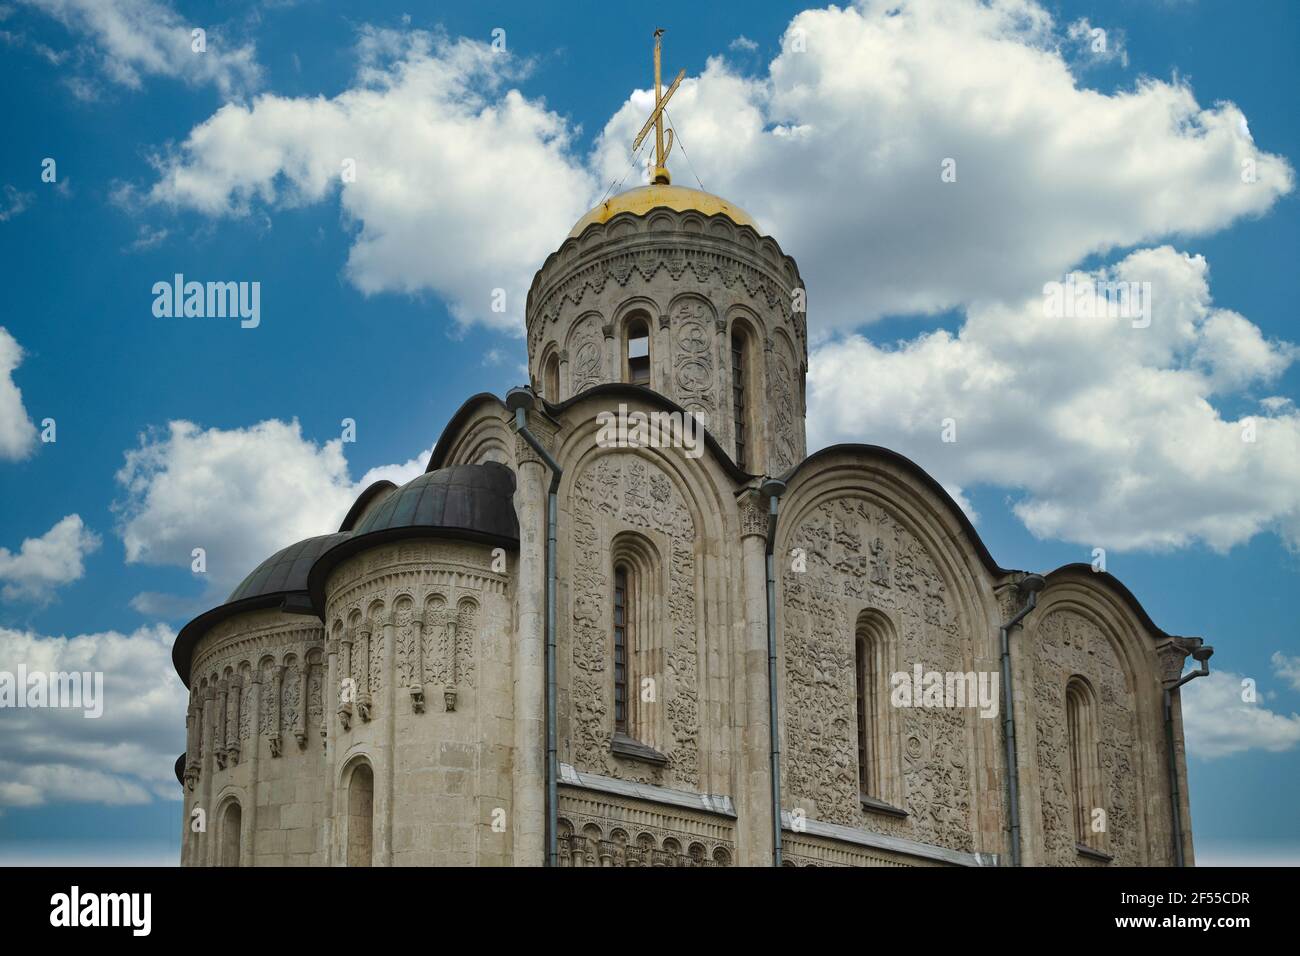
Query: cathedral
x=684 y=643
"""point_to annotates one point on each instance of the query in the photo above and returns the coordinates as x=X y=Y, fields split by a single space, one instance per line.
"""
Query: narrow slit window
x=865 y=673
x=638 y=352
x=1082 y=760
x=620 y=648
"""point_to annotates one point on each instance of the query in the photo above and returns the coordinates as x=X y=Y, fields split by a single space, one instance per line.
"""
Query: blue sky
x=375 y=311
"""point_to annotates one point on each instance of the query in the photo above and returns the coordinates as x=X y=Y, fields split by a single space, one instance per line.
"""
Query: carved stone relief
x=858 y=555
x=618 y=493
x=1066 y=644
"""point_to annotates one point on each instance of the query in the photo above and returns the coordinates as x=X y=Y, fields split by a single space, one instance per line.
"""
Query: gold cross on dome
x=656 y=120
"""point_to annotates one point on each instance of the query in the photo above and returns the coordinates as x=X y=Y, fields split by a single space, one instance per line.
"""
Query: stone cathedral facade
x=379 y=695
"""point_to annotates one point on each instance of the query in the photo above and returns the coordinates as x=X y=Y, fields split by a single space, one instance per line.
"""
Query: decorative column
x=193 y=736
x=449 y=692
x=754 y=823
x=219 y=731
x=300 y=719
x=233 y=704
x=416 y=686
x=277 y=709
x=363 y=679
x=255 y=719
x=346 y=693
x=204 y=850
x=529 y=782
x=608 y=850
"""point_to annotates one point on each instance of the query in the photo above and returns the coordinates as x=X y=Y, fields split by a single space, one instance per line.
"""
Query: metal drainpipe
x=1032 y=584
x=521 y=399
x=773 y=488
x=1201 y=654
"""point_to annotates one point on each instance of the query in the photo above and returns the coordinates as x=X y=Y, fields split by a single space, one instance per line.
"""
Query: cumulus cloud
x=1108 y=429
x=1218 y=723
x=1116 y=436
x=132 y=39
x=1287 y=668
x=17 y=433
x=837 y=149
x=43 y=564
x=124 y=756
x=454 y=183
x=241 y=494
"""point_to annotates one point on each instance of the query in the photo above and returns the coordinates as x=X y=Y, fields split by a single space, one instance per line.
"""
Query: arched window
x=738 y=384
x=361 y=815
x=1080 y=722
x=622 y=619
x=637 y=647
x=231 y=821
x=551 y=378
x=638 y=352
x=879 y=778
x=866 y=706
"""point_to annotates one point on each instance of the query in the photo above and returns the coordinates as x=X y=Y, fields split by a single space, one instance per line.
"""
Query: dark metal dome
x=470 y=502
x=286 y=570
x=279 y=581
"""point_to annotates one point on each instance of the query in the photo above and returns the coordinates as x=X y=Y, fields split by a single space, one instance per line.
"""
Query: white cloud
x=240 y=494
x=15 y=202
x=123 y=757
x=462 y=186
x=744 y=43
x=1109 y=430
x=837 y=151
x=45 y=563
x=133 y=39
x=1287 y=668
x=1218 y=723
x=17 y=433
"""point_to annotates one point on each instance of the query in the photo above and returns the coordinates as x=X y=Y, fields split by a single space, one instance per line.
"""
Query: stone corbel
x=193 y=725
x=607 y=330
x=664 y=320
x=277 y=709
x=608 y=852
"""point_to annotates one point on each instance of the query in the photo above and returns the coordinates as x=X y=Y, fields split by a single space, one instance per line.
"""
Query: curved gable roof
x=986 y=558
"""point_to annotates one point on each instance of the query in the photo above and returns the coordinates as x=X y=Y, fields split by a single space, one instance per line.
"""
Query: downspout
x=520 y=400
x=773 y=488
x=1030 y=584
x=1201 y=654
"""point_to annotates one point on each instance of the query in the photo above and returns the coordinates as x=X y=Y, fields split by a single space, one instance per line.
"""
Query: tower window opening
x=866 y=712
x=551 y=379
x=738 y=394
x=638 y=352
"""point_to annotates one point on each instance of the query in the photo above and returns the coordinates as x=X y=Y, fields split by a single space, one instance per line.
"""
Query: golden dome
x=641 y=200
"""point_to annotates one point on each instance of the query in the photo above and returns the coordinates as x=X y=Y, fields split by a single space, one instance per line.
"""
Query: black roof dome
x=286 y=570
x=469 y=502
x=279 y=581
